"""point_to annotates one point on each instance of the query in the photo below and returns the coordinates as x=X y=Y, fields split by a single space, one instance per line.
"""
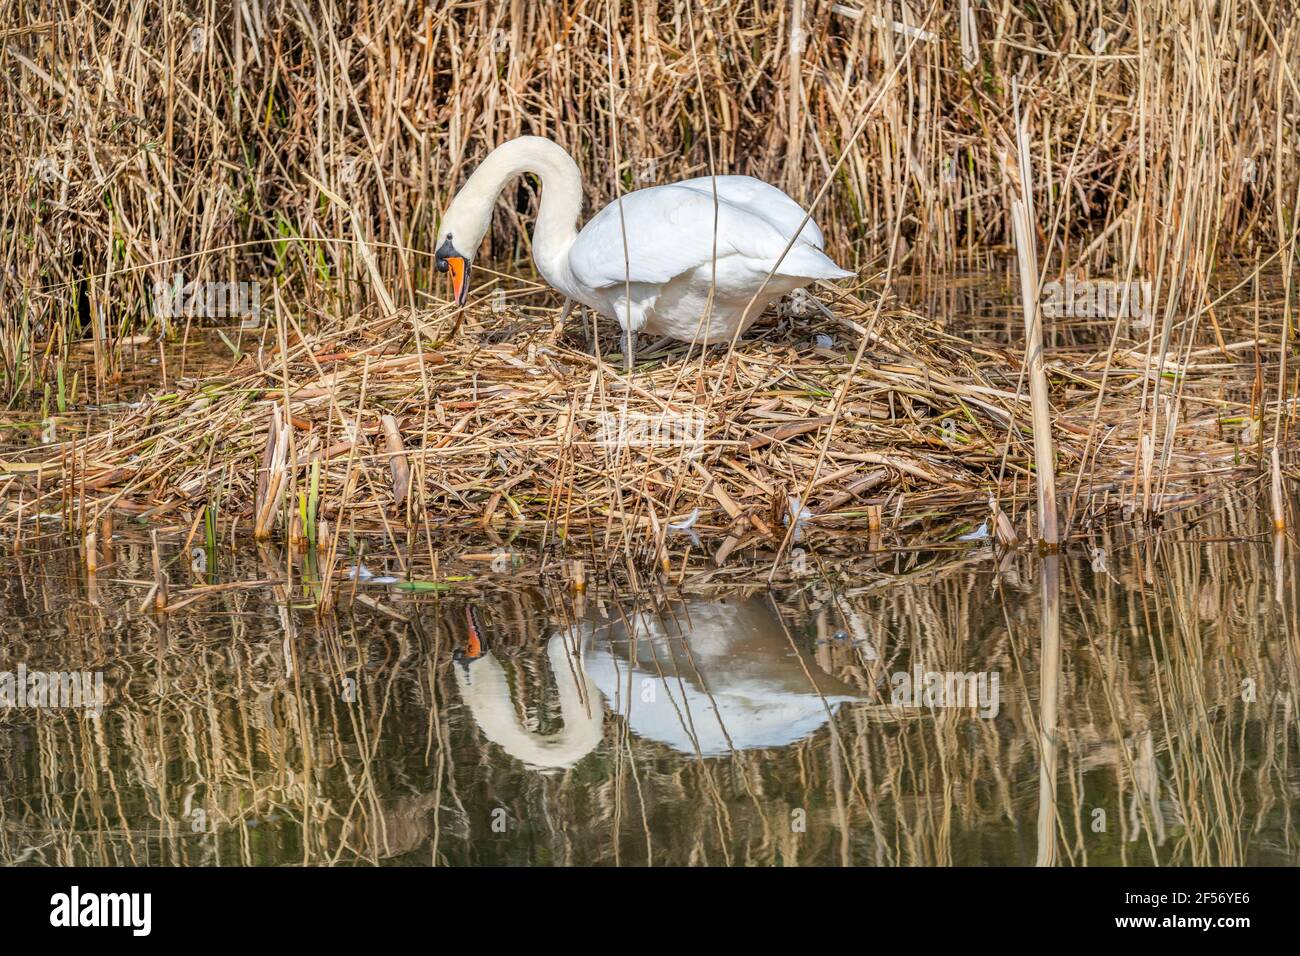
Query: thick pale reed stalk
x=1022 y=220
x=1039 y=401
x=794 y=95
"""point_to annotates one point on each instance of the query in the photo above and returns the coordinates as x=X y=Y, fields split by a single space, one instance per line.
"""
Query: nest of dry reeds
x=436 y=419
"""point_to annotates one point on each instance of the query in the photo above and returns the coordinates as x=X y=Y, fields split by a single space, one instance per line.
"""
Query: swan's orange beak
x=459 y=269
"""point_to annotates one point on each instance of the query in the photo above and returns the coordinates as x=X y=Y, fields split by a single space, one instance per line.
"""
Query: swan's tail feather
x=809 y=262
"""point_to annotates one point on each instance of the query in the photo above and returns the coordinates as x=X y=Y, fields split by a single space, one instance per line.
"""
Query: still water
x=890 y=707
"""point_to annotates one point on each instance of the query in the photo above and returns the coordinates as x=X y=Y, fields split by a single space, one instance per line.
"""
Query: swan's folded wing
x=763 y=199
x=670 y=231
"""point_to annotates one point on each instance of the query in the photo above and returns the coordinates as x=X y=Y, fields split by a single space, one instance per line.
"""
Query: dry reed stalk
x=160 y=582
x=276 y=460
x=396 y=460
x=1040 y=409
x=1039 y=401
x=1278 y=499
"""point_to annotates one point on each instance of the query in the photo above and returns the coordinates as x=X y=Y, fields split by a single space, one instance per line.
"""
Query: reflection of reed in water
x=351 y=742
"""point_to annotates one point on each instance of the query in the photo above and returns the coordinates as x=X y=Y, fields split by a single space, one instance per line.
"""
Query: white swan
x=704 y=677
x=712 y=678
x=649 y=259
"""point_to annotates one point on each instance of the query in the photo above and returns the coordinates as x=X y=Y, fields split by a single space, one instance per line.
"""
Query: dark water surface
x=508 y=720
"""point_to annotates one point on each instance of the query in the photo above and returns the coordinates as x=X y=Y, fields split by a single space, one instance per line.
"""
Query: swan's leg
x=558 y=327
x=593 y=341
x=631 y=311
x=629 y=350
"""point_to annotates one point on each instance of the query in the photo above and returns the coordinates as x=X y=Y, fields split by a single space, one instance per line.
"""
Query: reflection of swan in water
x=704 y=676
x=486 y=692
x=712 y=677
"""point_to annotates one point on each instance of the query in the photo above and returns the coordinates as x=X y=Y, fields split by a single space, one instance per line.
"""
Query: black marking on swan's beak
x=447 y=258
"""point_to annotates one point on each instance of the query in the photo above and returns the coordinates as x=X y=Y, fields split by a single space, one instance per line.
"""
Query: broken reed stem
x=159 y=575
x=397 y=463
x=268 y=453
x=277 y=451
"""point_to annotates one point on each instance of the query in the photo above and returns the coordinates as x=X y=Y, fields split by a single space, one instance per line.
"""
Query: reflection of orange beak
x=474 y=646
x=459 y=278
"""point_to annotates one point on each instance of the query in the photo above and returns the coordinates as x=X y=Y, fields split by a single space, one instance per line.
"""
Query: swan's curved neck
x=557 y=219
